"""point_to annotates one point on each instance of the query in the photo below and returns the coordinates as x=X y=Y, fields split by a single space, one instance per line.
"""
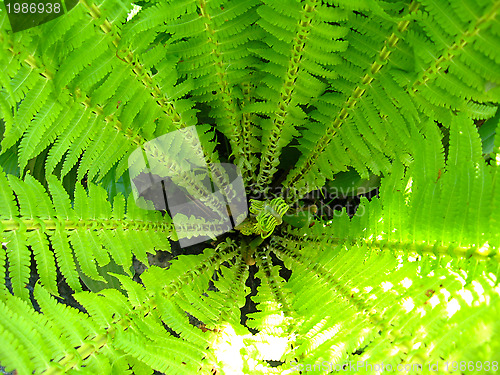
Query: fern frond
x=120 y=112
x=429 y=183
x=71 y=232
x=362 y=76
x=296 y=69
x=65 y=257
x=462 y=69
x=423 y=253
x=248 y=162
x=32 y=103
x=424 y=88
x=104 y=115
x=205 y=49
x=63 y=338
x=44 y=120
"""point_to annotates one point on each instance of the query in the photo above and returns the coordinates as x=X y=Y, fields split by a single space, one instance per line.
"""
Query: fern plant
x=293 y=92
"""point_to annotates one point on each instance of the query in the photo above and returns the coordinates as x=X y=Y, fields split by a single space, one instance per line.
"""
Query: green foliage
x=302 y=95
x=86 y=232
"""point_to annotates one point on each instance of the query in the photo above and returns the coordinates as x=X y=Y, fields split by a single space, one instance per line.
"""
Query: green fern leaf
x=19 y=262
x=79 y=144
x=31 y=104
x=65 y=260
x=8 y=208
x=44 y=258
x=71 y=132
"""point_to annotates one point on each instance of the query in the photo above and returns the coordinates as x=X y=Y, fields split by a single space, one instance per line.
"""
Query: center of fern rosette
x=266 y=215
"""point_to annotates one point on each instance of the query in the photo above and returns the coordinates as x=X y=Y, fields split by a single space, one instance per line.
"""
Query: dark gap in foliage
x=288 y=158
x=203 y=114
x=171 y=331
x=32 y=281
x=223 y=146
x=250 y=306
x=100 y=82
x=160 y=38
x=8 y=160
x=284 y=272
x=189 y=250
x=274 y=363
x=66 y=293
x=36 y=167
x=359 y=13
x=352 y=203
x=445 y=132
x=360 y=351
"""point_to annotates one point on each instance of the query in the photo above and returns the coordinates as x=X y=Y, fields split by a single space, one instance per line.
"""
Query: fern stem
x=99 y=111
x=270 y=155
x=305 y=166
x=106 y=26
x=247 y=162
x=51 y=224
x=408 y=248
x=31 y=61
x=464 y=252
